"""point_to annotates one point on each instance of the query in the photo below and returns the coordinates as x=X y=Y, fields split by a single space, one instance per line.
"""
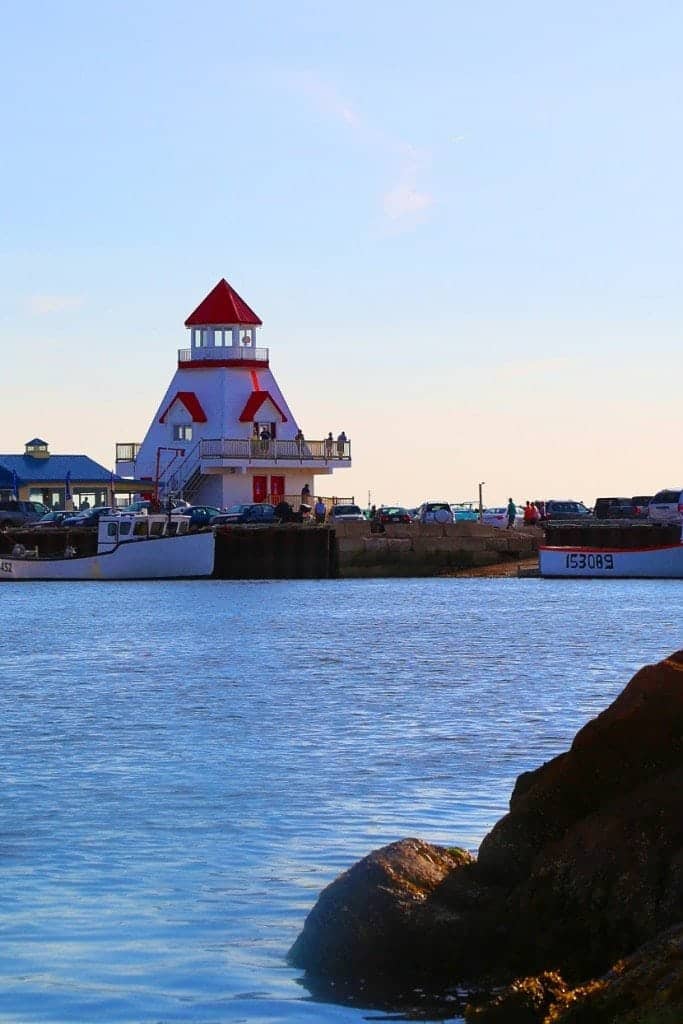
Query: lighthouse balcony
x=245 y=451
x=211 y=455
x=223 y=355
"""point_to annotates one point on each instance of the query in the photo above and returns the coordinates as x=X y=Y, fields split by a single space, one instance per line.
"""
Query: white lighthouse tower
x=224 y=432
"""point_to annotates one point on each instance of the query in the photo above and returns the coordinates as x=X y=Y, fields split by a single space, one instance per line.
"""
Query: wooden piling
x=287 y=551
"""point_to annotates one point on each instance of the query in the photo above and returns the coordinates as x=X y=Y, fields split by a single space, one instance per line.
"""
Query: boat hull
x=664 y=562
x=162 y=558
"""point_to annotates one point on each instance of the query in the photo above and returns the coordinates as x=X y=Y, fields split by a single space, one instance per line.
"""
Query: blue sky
x=459 y=223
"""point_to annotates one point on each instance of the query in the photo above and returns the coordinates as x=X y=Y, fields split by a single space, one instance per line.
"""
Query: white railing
x=234 y=353
x=127 y=452
x=254 y=449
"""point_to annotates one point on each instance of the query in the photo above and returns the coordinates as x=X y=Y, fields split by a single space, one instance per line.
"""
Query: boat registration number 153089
x=580 y=560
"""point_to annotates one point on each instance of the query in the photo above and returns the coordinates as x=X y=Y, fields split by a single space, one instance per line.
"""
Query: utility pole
x=481 y=502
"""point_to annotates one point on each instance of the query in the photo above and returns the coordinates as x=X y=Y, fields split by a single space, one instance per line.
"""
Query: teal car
x=465 y=512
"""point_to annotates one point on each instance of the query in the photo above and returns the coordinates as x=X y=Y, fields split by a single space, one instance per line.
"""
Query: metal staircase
x=182 y=480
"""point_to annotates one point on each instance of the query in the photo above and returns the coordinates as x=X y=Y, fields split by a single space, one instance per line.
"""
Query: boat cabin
x=122 y=529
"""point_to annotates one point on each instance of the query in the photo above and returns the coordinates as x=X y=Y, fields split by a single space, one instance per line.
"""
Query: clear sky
x=460 y=224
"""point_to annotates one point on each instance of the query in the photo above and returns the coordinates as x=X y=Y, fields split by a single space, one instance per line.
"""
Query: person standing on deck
x=512 y=513
x=319 y=511
x=341 y=444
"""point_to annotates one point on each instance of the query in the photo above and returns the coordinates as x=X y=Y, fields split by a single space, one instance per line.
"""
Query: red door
x=277 y=488
x=260 y=488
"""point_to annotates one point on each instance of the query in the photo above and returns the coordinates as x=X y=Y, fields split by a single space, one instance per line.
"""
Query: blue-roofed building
x=39 y=476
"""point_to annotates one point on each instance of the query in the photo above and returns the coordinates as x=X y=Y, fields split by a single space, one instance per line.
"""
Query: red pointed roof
x=191 y=403
x=222 y=306
x=254 y=403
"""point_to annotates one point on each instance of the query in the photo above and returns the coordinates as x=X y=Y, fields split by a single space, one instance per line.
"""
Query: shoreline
x=523 y=568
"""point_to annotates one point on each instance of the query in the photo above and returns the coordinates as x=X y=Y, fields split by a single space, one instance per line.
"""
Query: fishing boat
x=129 y=547
x=620 y=553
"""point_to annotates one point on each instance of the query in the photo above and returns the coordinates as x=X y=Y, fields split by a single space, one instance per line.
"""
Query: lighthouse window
x=182 y=432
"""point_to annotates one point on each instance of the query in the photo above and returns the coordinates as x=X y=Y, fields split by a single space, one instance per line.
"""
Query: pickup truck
x=19 y=513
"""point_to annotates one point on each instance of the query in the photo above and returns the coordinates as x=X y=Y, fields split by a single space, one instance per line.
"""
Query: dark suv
x=18 y=513
x=641 y=505
x=562 y=511
x=613 y=508
x=252 y=513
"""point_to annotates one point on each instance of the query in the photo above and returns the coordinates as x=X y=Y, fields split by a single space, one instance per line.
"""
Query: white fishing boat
x=129 y=547
x=664 y=561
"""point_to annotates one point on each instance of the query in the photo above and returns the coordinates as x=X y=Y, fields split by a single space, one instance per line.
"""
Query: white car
x=346 y=513
x=499 y=517
x=435 y=512
x=666 y=507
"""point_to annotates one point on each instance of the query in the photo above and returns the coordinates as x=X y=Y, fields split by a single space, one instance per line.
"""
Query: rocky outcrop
x=586 y=867
x=644 y=988
x=405 y=904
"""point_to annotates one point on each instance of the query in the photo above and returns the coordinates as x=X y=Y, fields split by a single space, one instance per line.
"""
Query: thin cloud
x=404 y=203
x=326 y=98
x=42 y=305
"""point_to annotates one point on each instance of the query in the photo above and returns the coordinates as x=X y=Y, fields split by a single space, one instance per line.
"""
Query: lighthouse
x=224 y=432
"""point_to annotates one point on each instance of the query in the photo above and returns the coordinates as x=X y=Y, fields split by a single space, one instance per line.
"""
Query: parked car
x=50 y=519
x=499 y=517
x=613 y=508
x=666 y=507
x=393 y=514
x=435 y=512
x=641 y=504
x=464 y=512
x=199 y=515
x=145 y=505
x=345 y=513
x=559 y=511
x=248 y=513
x=90 y=516
x=21 y=513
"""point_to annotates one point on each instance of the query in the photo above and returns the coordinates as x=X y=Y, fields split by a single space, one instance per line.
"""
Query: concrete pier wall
x=429 y=549
x=354 y=550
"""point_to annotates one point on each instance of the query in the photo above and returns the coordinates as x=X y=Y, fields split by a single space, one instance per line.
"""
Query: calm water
x=185 y=765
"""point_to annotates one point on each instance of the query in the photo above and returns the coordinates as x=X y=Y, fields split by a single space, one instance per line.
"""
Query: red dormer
x=192 y=406
x=254 y=406
x=223 y=307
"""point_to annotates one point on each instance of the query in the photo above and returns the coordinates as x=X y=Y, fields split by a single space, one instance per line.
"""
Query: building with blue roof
x=37 y=475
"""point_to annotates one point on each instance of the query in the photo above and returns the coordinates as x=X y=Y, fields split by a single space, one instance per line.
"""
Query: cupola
x=36 y=449
x=223 y=319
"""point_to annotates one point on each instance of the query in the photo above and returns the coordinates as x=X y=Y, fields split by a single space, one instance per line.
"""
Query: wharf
x=347 y=550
